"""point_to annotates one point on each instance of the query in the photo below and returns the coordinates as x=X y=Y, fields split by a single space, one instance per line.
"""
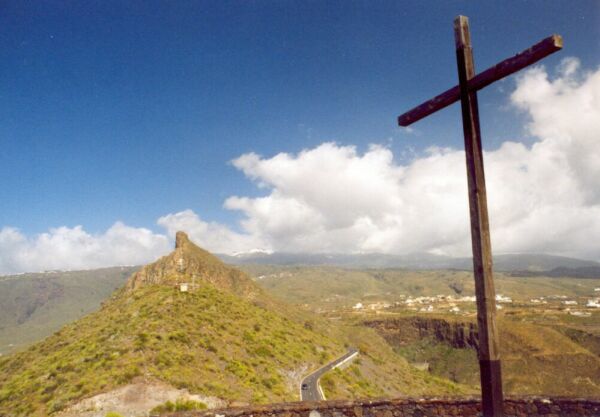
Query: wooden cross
x=466 y=92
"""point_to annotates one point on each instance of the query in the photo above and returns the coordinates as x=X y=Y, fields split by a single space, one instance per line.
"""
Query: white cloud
x=74 y=248
x=213 y=236
x=543 y=198
x=332 y=198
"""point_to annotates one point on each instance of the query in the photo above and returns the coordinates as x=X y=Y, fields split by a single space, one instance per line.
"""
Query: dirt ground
x=134 y=400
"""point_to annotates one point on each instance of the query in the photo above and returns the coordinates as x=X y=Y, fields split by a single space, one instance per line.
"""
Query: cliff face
x=536 y=359
x=190 y=264
x=399 y=332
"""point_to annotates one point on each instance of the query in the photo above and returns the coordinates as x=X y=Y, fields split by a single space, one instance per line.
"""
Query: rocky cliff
x=190 y=264
x=407 y=330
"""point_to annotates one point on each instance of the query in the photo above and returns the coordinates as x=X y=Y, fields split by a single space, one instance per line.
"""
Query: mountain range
x=416 y=261
x=34 y=305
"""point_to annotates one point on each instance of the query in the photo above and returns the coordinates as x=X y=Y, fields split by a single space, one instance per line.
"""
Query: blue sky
x=128 y=111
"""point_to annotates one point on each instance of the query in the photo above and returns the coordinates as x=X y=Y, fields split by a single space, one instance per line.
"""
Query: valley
x=201 y=332
x=35 y=305
x=549 y=326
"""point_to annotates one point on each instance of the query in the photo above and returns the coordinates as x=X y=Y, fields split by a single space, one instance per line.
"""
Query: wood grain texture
x=489 y=355
x=505 y=68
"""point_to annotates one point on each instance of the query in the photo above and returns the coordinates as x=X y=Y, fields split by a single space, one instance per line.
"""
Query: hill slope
x=535 y=359
x=330 y=287
x=224 y=338
x=33 y=306
x=208 y=340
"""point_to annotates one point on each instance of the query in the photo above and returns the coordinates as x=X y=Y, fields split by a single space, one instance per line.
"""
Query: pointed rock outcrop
x=181 y=238
x=191 y=264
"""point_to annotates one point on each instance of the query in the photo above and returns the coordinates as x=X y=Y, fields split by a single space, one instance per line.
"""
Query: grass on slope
x=541 y=360
x=536 y=359
x=207 y=341
x=380 y=372
x=459 y=365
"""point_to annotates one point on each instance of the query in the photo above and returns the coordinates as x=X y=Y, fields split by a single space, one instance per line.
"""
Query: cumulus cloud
x=333 y=199
x=213 y=236
x=74 y=248
x=543 y=198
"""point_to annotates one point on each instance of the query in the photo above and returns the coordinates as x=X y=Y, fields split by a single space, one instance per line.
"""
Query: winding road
x=310 y=390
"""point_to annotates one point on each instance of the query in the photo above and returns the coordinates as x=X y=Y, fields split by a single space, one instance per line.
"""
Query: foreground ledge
x=410 y=407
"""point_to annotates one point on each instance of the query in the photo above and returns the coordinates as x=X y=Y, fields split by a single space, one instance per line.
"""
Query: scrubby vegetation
x=332 y=287
x=228 y=338
x=178 y=405
x=536 y=359
x=546 y=350
x=206 y=341
x=33 y=306
x=380 y=372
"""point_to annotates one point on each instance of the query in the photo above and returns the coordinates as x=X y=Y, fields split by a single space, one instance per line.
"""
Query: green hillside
x=536 y=359
x=546 y=350
x=225 y=337
x=331 y=287
x=207 y=341
x=33 y=306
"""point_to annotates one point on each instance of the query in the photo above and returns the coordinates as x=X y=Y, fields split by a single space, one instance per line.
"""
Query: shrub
x=179 y=336
x=179 y=405
x=263 y=351
x=57 y=405
x=187 y=405
x=237 y=368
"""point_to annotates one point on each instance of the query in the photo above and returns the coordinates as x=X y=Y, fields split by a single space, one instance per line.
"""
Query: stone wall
x=437 y=407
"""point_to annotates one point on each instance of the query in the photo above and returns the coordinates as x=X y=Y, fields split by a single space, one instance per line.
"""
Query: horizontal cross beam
x=509 y=66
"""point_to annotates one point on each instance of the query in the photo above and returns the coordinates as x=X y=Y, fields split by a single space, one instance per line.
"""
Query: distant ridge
x=417 y=261
x=560 y=272
x=35 y=305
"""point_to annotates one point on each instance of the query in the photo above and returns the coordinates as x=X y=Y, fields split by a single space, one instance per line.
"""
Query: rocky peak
x=189 y=263
x=181 y=238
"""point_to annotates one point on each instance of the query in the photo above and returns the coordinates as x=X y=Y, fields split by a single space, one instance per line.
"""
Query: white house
x=595 y=303
x=503 y=299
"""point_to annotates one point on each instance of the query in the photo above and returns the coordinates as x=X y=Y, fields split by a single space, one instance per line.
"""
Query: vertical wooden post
x=489 y=357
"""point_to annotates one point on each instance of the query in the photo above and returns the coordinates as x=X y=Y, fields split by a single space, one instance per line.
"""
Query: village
x=465 y=305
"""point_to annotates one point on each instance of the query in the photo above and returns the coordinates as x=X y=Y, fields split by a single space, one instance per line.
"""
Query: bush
x=179 y=405
x=57 y=405
x=179 y=336
x=263 y=352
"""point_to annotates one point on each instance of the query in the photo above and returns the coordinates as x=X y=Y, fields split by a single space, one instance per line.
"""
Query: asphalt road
x=310 y=389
